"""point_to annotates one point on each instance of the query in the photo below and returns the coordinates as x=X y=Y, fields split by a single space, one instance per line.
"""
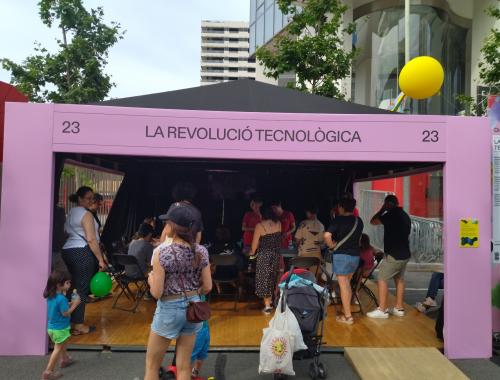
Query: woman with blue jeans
x=180 y=274
x=343 y=237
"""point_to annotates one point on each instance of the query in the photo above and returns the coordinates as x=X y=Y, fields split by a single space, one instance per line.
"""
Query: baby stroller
x=308 y=305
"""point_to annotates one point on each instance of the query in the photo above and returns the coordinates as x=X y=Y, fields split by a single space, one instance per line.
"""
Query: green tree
x=312 y=46
x=489 y=66
x=75 y=74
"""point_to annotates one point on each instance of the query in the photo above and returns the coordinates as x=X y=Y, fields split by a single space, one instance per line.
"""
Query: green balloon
x=495 y=296
x=100 y=284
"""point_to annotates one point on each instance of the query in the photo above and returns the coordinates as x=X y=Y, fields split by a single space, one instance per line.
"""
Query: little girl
x=59 y=311
x=367 y=255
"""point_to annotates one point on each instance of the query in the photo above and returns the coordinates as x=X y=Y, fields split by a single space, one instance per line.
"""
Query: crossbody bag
x=196 y=312
x=328 y=257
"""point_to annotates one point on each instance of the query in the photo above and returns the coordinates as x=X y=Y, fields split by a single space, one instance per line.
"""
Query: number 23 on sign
x=71 y=126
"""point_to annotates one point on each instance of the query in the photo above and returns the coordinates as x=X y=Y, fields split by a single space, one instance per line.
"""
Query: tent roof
x=243 y=95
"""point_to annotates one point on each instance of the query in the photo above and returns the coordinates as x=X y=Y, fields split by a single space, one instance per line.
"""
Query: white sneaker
x=397 y=312
x=430 y=302
x=377 y=313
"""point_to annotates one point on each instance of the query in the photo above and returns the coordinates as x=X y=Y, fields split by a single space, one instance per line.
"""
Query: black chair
x=305 y=262
x=124 y=281
x=379 y=256
x=226 y=273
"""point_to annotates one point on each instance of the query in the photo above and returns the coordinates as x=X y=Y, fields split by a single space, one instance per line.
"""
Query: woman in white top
x=82 y=253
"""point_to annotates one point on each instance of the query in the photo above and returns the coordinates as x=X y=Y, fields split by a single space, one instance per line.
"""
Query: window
x=233 y=30
x=234 y=40
x=233 y=69
x=214 y=30
x=233 y=49
x=251 y=69
x=233 y=59
x=278 y=19
x=252 y=38
x=269 y=23
x=259 y=30
x=214 y=40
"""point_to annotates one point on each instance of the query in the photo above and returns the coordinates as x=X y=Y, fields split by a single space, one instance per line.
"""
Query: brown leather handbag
x=198 y=312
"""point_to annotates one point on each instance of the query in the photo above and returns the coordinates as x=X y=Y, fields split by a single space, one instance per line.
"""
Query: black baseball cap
x=180 y=214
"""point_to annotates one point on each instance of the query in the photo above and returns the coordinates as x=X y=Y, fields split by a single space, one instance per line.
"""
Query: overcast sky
x=160 y=50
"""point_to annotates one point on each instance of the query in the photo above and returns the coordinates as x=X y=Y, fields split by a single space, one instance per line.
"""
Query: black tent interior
x=224 y=186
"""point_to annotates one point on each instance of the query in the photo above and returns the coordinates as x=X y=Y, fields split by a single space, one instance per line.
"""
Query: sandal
x=67 y=363
x=51 y=375
x=344 y=319
x=76 y=332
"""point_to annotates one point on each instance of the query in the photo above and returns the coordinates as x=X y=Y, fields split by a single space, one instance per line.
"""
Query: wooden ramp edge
x=402 y=363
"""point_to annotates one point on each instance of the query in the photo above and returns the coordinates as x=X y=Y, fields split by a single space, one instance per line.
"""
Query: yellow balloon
x=421 y=78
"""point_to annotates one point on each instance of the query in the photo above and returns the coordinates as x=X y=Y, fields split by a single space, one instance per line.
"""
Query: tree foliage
x=489 y=67
x=74 y=74
x=312 y=46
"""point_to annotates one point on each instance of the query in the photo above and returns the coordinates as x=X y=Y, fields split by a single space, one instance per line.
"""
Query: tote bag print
x=276 y=352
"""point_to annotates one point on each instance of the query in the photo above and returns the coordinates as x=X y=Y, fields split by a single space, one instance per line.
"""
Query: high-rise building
x=452 y=31
x=224 y=52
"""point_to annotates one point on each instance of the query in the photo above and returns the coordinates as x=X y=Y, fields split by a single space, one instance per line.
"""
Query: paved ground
x=224 y=366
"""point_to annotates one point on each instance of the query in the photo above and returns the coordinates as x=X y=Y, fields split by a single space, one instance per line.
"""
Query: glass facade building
x=435 y=30
x=380 y=38
x=266 y=20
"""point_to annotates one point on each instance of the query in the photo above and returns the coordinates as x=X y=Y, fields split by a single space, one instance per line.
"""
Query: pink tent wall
x=33 y=132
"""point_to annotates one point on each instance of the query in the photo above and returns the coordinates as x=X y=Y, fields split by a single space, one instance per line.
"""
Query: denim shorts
x=344 y=264
x=169 y=320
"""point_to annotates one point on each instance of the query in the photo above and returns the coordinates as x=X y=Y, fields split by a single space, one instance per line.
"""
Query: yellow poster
x=469 y=233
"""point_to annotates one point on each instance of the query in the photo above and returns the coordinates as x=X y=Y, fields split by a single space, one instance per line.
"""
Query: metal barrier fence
x=426 y=238
x=104 y=182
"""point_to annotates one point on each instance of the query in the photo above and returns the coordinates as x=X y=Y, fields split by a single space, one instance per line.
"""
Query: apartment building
x=224 y=52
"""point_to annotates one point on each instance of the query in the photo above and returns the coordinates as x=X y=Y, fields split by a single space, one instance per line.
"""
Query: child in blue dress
x=58 y=313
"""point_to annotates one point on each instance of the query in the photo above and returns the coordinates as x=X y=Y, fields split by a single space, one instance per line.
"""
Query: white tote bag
x=276 y=351
x=292 y=324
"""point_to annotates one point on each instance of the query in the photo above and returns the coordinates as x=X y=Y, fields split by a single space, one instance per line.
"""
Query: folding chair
x=305 y=262
x=379 y=256
x=228 y=262
x=334 y=288
x=123 y=281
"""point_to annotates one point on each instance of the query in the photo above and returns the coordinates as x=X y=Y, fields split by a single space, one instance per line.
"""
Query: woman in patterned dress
x=266 y=246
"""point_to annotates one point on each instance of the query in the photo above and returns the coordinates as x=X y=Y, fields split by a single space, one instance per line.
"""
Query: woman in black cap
x=181 y=273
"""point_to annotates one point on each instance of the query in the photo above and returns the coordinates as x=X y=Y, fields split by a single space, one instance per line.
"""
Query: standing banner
x=494 y=119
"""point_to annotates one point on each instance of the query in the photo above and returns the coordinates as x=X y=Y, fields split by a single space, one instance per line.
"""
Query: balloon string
x=399 y=101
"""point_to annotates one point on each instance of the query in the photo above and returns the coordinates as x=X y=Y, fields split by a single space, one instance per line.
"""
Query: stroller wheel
x=322 y=371
x=313 y=371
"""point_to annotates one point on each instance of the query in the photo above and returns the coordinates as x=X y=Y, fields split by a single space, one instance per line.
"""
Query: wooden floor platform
x=243 y=328
x=402 y=363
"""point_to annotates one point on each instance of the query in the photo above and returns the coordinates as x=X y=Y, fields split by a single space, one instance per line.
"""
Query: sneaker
x=195 y=373
x=397 y=312
x=267 y=310
x=430 y=302
x=377 y=313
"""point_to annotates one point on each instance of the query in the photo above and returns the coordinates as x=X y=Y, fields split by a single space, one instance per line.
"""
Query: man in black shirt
x=397 y=227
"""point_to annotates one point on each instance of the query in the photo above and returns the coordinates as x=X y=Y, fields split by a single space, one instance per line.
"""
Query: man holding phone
x=397 y=227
